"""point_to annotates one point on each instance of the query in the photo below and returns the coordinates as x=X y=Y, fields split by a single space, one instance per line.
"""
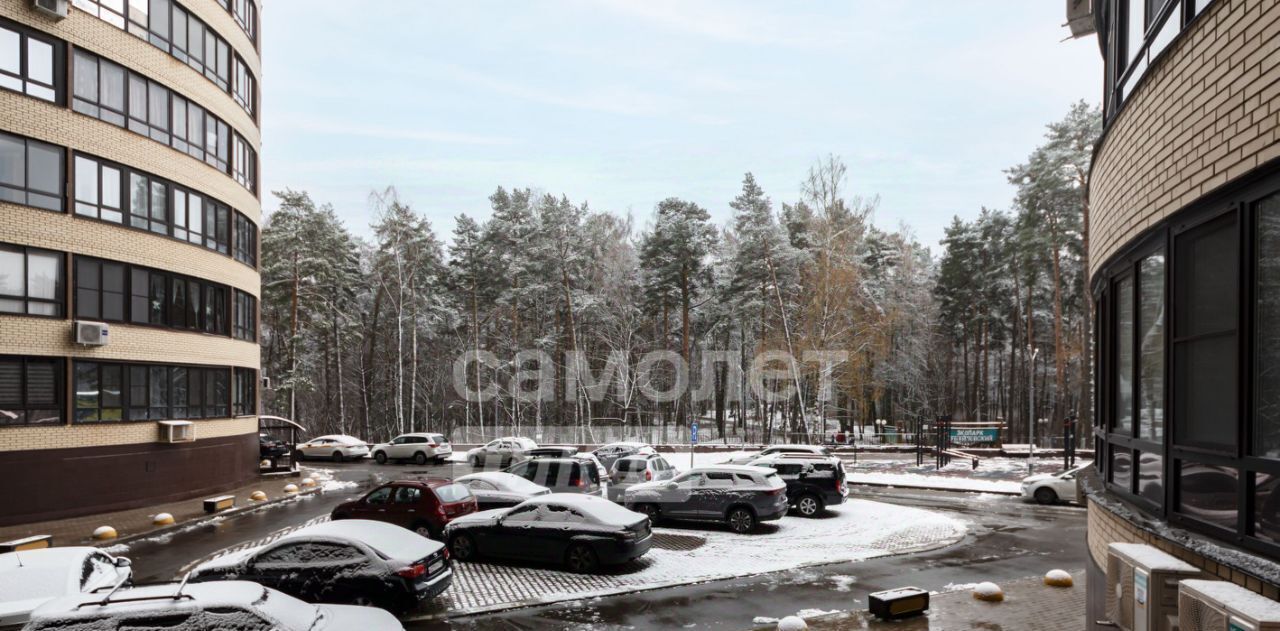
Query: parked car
x=30 y=579
x=581 y=532
x=561 y=475
x=736 y=495
x=608 y=454
x=1051 y=488
x=502 y=452
x=420 y=448
x=746 y=458
x=270 y=447
x=631 y=470
x=570 y=452
x=499 y=489
x=238 y=605
x=813 y=482
x=335 y=447
x=423 y=506
x=357 y=561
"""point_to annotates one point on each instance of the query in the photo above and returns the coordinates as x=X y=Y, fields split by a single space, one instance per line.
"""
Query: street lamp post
x=1031 y=418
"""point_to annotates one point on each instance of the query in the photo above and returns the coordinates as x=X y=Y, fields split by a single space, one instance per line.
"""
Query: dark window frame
x=58 y=59
x=245 y=240
x=244 y=395
x=244 y=322
x=24 y=391
x=209 y=316
x=10 y=192
x=138 y=378
x=59 y=302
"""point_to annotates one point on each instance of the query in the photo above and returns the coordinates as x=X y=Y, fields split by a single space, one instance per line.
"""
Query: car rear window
x=439 y=438
x=450 y=493
x=631 y=465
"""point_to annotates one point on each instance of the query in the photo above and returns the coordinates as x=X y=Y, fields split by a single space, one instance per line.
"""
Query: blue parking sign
x=693 y=433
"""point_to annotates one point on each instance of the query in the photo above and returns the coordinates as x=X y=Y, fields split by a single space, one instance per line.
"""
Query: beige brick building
x=1185 y=276
x=129 y=214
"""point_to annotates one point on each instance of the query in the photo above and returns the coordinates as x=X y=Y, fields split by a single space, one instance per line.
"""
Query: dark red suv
x=423 y=506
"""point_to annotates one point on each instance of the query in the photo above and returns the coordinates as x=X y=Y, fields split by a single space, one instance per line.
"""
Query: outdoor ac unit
x=91 y=333
x=1142 y=587
x=1080 y=18
x=177 y=431
x=52 y=8
x=1214 y=605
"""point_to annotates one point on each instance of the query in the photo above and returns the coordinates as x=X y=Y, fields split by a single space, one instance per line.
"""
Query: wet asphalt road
x=1007 y=539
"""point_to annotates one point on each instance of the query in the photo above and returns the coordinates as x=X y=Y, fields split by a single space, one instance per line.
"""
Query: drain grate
x=668 y=541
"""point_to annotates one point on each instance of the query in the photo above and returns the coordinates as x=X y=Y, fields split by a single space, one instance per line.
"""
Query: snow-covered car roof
x=342 y=438
x=391 y=540
x=40 y=574
x=288 y=612
x=730 y=468
x=597 y=508
x=798 y=447
x=506 y=482
x=627 y=443
x=793 y=456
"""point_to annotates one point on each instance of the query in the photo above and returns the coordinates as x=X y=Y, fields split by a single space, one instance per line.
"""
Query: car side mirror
x=671 y=486
x=123 y=562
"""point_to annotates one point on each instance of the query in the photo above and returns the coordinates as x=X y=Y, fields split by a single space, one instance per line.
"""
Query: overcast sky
x=624 y=103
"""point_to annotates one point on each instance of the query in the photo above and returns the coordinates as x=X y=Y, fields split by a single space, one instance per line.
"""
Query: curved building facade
x=129 y=213
x=1185 y=275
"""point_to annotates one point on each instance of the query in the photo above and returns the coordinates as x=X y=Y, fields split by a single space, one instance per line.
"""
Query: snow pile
x=916 y=480
x=843 y=583
x=792 y=623
x=336 y=485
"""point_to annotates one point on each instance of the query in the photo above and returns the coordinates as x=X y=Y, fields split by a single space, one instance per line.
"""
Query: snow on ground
x=917 y=480
x=854 y=531
x=842 y=582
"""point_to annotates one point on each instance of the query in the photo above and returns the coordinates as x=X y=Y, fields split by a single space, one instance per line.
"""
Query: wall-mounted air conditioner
x=52 y=8
x=1214 y=605
x=1080 y=18
x=1142 y=587
x=91 y=333
x=177 y=431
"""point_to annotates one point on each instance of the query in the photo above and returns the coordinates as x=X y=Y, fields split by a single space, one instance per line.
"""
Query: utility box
x=903 y=602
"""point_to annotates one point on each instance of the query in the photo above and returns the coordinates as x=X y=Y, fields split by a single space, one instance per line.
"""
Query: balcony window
x=31 y=281
x=31 y=172
x=29 y=64
x=30 y=391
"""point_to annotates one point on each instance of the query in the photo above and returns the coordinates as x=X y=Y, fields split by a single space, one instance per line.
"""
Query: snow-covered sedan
x=610 y=453
x=335 y=447
x=238 y=605
x=501 y=453
x=499 y=489
x=1051 y=488
x=747 y=458
x=32 y=578
x=355 y=561
x=583 y=532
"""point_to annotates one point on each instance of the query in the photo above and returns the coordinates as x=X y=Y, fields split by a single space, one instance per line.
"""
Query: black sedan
x=354 y=561
x=582 y=532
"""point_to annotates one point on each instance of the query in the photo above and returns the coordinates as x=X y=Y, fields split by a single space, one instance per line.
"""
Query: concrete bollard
x=989 y=592
x=308 y=482
x=1058 y=578
x=162 y=519
x=792 y=623
x=258 y=496
x=103 y=533
x=290 y=488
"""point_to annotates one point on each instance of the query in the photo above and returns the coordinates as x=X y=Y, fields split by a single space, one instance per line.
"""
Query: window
x=31 y=172
x=109 y=391
x=244 y=398
x=153 y=297
x=246 y=15
x=246 y=240
x=379 y=496
x=30 y=390
x=245 y=324
x=97 y=190
x=244 y=164
x=31 y=281
x=1266 y=313
x=1204 y=338
x=100 y=290
x=243 y=86
x=1124 y=356
x=1151 y=347
x=30 y=64
x=408 y=495
x=1208 y=493
x=110 y=11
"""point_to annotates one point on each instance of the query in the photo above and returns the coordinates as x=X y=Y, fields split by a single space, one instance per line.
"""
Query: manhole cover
x=667 y=541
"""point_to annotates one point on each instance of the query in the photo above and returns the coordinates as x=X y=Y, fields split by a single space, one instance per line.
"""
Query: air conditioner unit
x=177 y=432
x=52 y=8
x=1214 y=605
x=1080 y=18
x=266 y=383
x=1142 y=587
x=91 y=333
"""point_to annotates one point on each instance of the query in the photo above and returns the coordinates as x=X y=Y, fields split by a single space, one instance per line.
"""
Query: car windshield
x=450 y=493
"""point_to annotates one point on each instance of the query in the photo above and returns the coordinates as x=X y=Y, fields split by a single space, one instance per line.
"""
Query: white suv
x=420 y=448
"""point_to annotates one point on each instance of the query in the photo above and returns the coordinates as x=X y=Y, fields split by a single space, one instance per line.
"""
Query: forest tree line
x=363 y=336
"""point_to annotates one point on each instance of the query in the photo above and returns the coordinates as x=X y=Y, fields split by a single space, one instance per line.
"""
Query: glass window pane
x=13 y=161
x=1266 y=506
x=1266 y=430
x=44 y=272
x=86 y=76
x=1137 y=26
x=1124 y=356
x=1151 y=477
x=139 y=301
x=111 y=385
x=1151 y=343
x=1205 y=355
x=87 y=181
x=42 y=379
x=12 y=282
x=87 y=391
x=110 y=187
x=112 y=86
x=10 y=385
x=39 y=61
x=158 y=104
x=1209 y=493
x=10 y=51
x=1206 y=275
x=139 y=187
x=160 y=18
x=44 y=170
x=1121 y=469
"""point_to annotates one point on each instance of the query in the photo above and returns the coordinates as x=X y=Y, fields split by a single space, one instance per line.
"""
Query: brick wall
x=1206 y=114
x=1106 y=528
x=88 y=435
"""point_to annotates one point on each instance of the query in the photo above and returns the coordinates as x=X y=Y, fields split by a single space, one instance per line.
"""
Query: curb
x=934 y=488
x=156 y=532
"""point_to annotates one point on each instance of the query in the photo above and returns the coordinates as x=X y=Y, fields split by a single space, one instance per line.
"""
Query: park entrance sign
x=975 y=436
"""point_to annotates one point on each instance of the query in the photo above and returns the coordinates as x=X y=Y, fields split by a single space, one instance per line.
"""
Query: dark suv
x=561 y=475
x=813 y=482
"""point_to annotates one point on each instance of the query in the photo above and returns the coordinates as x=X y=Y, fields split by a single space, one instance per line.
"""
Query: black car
x=553 y=451
x=270 y=447
x=354 y=562
x=582 y=532
x=813 y=482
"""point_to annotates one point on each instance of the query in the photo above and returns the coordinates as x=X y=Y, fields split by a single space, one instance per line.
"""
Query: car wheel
x=425 y=530
x=380 y=457
x=1045 y=495
x=581 y=559
x=420 y=459
x=337 y=456
x=463 y=547
x=741 y=520
x=809 y=505
x=649 y=510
